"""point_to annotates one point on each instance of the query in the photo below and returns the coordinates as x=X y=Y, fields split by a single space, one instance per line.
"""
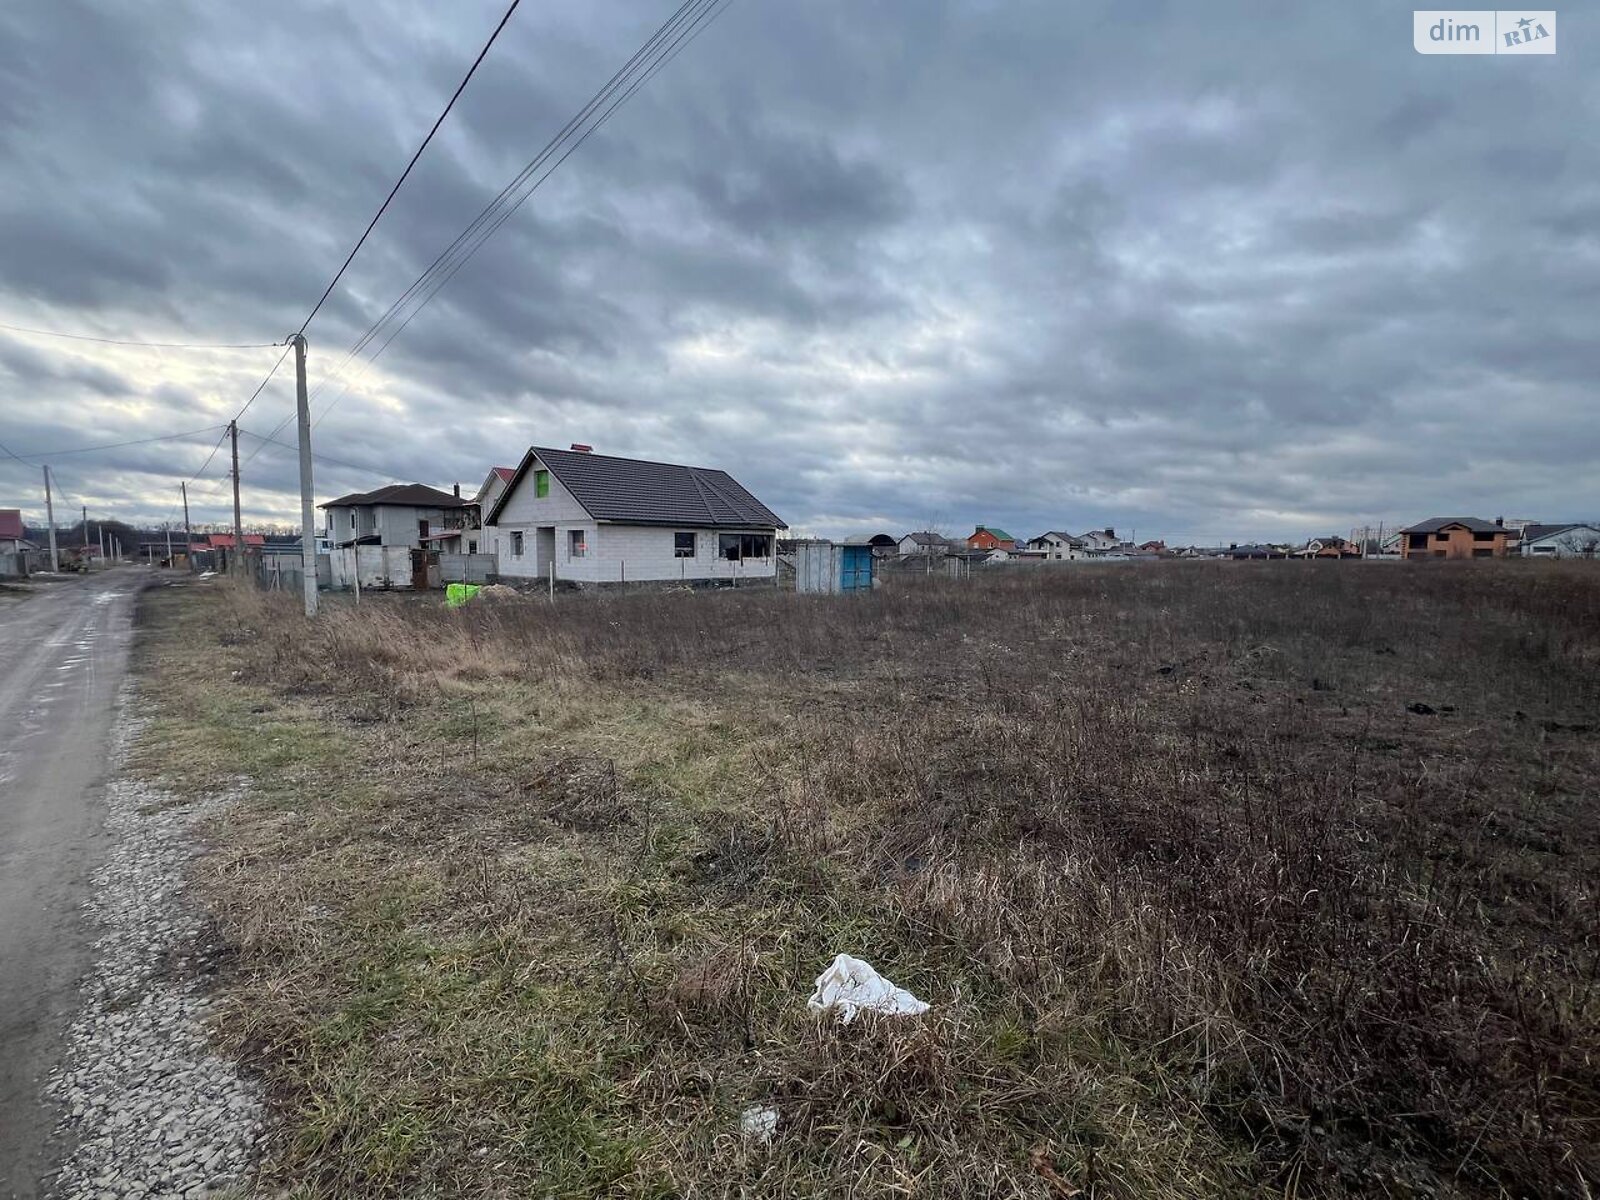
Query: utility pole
x=85 y=538
x=101 y=530
x=169 y=543
x=188 y=533
x=308 y=512
x=237 y=557
x=50 y=515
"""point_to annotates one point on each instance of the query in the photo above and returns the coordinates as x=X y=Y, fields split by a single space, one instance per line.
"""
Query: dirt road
x=63 y=654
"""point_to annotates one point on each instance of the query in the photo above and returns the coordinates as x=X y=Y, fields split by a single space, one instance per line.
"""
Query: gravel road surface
x=63 y=654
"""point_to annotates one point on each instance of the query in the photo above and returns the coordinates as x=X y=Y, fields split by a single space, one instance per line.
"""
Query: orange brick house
x=987 y=537
x=1454 y=537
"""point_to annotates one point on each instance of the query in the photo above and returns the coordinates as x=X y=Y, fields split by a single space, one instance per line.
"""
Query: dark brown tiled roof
x=637 y=492
x=1435 y=524
x=413 y=495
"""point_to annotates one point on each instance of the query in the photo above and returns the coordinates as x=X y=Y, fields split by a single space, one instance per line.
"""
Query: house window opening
x=516 y=543
x=576 y=543
x=683 y=545
x=735 y=547
x=541 y=483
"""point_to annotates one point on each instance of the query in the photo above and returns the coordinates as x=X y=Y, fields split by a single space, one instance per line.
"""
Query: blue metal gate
x=855 y=570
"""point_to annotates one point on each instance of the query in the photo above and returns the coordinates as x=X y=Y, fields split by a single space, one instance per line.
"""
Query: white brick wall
x=614 y=553
x=526 y=511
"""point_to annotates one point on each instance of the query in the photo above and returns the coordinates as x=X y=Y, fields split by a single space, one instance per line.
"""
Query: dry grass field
x=1222 y=880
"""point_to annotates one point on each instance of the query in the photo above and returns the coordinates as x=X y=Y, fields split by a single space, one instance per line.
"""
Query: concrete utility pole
x=169 y=543
x=308 y=512
x=188 y=533
x=237 y=558
x=102 y=532
x=85 y=538
x=50 y=515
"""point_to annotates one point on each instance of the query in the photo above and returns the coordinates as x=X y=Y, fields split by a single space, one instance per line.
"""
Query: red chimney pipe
x=582 y=449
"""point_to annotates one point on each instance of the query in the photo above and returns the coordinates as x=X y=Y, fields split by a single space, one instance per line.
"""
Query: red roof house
x=987 y=537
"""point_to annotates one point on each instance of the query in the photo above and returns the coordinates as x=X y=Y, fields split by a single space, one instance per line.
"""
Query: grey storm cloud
x=1206 y=271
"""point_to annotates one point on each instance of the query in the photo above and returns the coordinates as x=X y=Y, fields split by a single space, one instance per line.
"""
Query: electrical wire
x=686 y=23
x=84 y=337
x=683 y=38
x=461 y=87
x=165 y=437
x=327 y=458
x=262 y=386
x=209 y=457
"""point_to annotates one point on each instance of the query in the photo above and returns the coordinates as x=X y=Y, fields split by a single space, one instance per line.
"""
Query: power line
x=210 y=456
x=461 y=87
x=262 y=385
x=711 y=10
x=327 y=458
x=686 y=23
x=84 y=337
x=165 y=437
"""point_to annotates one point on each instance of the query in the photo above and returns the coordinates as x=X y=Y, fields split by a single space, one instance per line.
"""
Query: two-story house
x=1057 y=546
x=1454 y=537
x=987 y=537
x=411 y=515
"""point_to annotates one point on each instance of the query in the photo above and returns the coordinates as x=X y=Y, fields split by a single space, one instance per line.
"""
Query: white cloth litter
x=759 y=1123
x=851 y=985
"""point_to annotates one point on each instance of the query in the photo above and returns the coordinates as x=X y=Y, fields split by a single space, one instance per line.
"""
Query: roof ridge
x=652 y=462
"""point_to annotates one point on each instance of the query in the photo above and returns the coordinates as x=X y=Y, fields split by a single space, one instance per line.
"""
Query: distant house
x=1058 y=546
x=220 y=548
x=14 y=544
x=411 y=523
x=594 y=518
x=1331 y=546
x=410 y=515
x=987 y=537
x=927 y=542
x=472 y=538
x=1568 y=540
x=493 y=484
x=1454 y=537
x=1257 y=551
x=1153 y=547
x=1100 y=541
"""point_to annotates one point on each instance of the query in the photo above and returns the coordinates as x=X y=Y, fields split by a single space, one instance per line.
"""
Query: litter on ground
x=851 y=985
x=759 y=1123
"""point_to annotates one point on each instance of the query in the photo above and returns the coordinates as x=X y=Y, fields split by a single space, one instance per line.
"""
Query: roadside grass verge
x=1223 y=880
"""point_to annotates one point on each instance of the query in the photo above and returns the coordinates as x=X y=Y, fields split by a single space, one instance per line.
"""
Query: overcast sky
x=1211 y=272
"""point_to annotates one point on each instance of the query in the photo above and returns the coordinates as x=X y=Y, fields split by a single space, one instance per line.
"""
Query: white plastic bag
x=759 y=1123
x=851 y=985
